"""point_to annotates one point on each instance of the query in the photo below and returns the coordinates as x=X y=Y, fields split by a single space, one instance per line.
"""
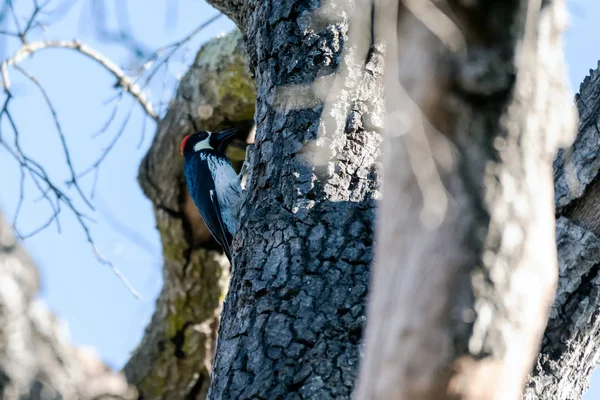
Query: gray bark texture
x=234 y=9
x=466 y=265
x=174 y=359
x=36 y=360
x=570 y=351
x=294 y=313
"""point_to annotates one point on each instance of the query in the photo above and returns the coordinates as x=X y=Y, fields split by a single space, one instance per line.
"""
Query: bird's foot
x=243 y=171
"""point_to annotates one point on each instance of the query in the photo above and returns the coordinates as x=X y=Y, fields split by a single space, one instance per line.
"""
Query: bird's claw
x=243 y=170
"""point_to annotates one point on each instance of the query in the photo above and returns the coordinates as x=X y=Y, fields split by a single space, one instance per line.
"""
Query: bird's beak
x=226 y=134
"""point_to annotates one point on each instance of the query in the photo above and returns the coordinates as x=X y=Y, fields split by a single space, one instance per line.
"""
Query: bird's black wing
x=223 y=232
x=202 y=190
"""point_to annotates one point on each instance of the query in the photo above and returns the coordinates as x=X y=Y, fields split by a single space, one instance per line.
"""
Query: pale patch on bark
x=461 y=295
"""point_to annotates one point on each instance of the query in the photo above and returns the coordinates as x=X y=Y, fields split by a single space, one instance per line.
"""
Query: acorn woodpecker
x=213 y=184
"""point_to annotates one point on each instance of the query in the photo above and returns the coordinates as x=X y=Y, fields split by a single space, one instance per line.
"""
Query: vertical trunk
x=571 y=346
x=466 y=258
x=174 y=359
x=293 y=317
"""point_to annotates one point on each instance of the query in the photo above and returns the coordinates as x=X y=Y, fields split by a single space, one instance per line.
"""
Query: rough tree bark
x=466 y=259
x=570 y=348
x=293 y=317
x=174 y=359
x=36 y=360
x=295 y=312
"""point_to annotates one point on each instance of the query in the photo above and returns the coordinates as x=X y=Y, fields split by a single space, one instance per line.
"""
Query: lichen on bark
x=174 y=358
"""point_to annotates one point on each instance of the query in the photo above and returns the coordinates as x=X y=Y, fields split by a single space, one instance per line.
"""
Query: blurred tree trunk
x=570 y=348
x=466 y=259
x=36 y=359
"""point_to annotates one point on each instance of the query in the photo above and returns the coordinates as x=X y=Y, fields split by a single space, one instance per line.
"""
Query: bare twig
x=44 y=192
x=63 y=140
x=37 y=172
x=123 y=36
x=107 y=150
x=7 y=33
x=39 y=229
x=173 y=47
x=23 y=161
x=111 y=117
x=143 y=135
x=94 y=183
x=126 y=231
x=3 y=11
x=31 y=22
x=21 y=196
x=124 y=81
x=13 y=14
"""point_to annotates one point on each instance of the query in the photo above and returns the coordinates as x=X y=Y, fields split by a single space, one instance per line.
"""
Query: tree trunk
x=174 y=358
x=466 y=258
x=570 y=348
x=36 y=360
x=293 y=317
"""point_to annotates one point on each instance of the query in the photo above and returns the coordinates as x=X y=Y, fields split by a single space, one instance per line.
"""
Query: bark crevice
x=291 y=318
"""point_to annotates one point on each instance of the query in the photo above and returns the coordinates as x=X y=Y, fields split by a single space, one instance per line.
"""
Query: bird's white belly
x=228 y=191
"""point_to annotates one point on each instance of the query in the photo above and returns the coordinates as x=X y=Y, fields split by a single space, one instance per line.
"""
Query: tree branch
x=465 y=268
x=179 y=341
x=124 y=81
x=570 y=350
x=73 y=181
x=39 y=175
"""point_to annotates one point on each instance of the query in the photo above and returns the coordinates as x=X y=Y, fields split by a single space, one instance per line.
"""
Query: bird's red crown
x=185 y=139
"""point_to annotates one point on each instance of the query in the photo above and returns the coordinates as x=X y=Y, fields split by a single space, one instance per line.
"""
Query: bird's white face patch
x=204 y=144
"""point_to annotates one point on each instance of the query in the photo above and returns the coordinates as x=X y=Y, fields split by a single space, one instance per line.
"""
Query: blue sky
x=98 y=309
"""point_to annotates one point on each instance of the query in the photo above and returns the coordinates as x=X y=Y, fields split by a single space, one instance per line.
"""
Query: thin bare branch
x=143 y=135
x=173 y=47
x=111 y=117
x=61 y=134
x=124 y=81
x=3 y=11
x=38 y=172
x=31 y=22
x=123 y=35
x=13 y=14
x=7 y=33
x=110 y=146
x=126 y=231
x=44 y=192
x=21 y=196
x=39 y=229
x=94 y=183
